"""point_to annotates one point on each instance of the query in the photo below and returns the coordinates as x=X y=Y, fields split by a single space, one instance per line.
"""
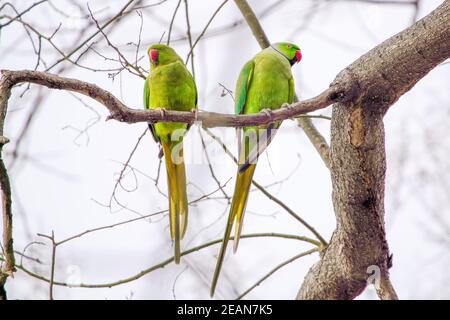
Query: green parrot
x=265 y=83
x=171 y=86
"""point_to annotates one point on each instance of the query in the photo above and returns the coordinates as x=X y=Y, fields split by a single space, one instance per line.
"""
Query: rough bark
x=358 y=161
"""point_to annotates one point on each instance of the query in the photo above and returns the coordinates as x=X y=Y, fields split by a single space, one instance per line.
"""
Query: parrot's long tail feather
x=237 y=210
x=176 y=181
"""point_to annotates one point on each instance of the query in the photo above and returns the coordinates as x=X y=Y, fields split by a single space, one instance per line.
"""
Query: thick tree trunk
x=374 y=82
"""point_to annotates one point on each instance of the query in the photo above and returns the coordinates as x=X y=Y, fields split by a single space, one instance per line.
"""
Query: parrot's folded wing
x=265 y=137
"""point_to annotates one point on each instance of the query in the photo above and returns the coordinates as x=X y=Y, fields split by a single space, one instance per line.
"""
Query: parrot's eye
x=289 y=46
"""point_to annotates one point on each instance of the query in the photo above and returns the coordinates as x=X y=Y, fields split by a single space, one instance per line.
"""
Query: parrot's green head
x=161 y=55
x=289 y=50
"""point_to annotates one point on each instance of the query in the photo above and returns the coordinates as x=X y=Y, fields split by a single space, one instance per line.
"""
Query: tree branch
x=278 y=267
x=161 y=264
x=306 y=124
x=120 y=112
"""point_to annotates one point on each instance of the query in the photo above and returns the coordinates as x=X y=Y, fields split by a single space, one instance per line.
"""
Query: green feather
x=171 y=86
x=242 y=86
x=151 y=127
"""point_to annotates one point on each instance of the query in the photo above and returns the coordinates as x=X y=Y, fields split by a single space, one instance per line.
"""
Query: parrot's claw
x=195 y=112
x=267 y=112
x=162 y=112
x=285 y=105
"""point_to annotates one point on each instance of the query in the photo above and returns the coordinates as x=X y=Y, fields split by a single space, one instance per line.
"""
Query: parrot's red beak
x=298 y=56
x=154 y=55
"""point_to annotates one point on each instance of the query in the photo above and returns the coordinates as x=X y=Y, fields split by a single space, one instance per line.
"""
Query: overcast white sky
x=59 y=180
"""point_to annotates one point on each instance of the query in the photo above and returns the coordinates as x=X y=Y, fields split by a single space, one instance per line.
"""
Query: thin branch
x=8 y=249
x=163 y=263
x=191 y=52
x=110 y=226
x=52 y=270
x=172 y=21
x=318 y=140
x=20 y=14
x=278 y=267
x=211 y=169
x=123 y=60
x=291 y=212
x=36 y=105
x=122 y=172
x=189 y=35
x=269 y=195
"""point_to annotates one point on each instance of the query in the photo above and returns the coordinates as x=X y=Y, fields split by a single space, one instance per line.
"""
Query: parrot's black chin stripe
x=291 y=61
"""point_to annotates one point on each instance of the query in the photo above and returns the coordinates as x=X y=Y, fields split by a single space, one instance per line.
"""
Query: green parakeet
x=265 y=82
x=170 y=86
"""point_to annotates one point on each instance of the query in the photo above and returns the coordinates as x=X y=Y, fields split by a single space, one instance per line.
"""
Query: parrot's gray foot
x=195 y=112
x=285 y=105
x=267 y=112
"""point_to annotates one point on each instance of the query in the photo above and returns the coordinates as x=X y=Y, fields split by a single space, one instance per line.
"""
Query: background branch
x=161 y=264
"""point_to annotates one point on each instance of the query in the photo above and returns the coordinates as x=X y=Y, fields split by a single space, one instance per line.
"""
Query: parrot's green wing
x=147 y=106
x=242 y=86
x=291 y=90
x=266 y=137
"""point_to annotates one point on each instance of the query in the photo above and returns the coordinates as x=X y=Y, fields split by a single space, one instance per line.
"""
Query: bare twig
x=172 y=21
x=269 y=195
x=211 y=169
x=278 y=267
x=123 y=60
x=386 y=290
x=20 y=14
x=188 y=32
x=191 y=52
x=163 y=263
x=114 y=19
x=110 y=226
x=317 y=139
x=52 y=270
